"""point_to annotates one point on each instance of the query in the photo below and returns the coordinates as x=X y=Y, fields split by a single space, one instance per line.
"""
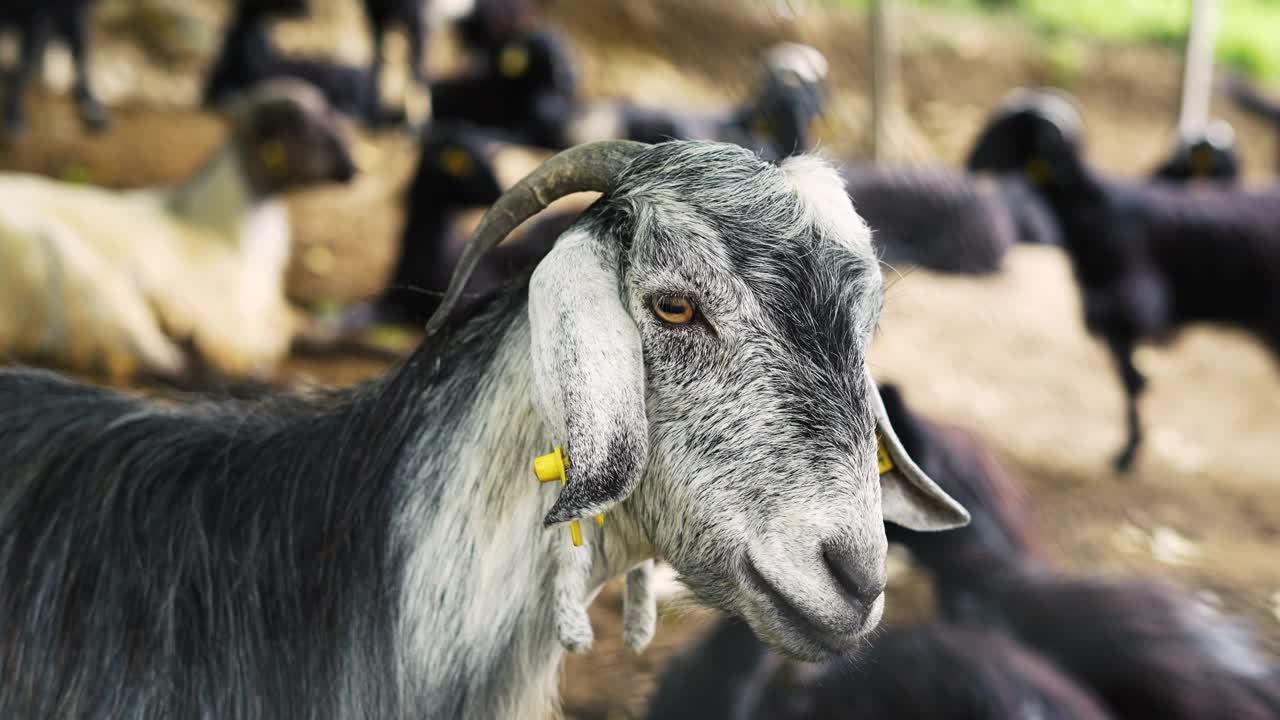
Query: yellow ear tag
x=513 y=61
x=882 y=455
x=1038 y=171
x=551 y=467
x=455 y=162
x=274 y=158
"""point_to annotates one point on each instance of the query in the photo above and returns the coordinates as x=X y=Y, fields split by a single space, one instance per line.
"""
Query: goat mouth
x=819 y=639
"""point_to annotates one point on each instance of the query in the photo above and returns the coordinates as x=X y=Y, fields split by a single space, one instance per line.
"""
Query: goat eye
x=673 y=309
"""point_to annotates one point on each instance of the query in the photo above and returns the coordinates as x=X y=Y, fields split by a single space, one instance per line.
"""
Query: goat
x=527 y=86
x=36 y=22
x=1145 y=647
x=721 y=676
x=101 y=280
x=1208 y=155
x=459 y=168
x=248 y=57
x=950 y=221
x=376 y=553
x=947 y=220
x=1150 y=258
x=927 y=670
x=775 y=122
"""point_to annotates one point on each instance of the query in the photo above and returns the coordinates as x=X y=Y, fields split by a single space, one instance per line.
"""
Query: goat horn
x=585 y=168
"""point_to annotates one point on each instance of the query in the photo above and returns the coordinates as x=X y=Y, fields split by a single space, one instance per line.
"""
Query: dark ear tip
x=558 y=514
x=560 y=511
x=571 y=505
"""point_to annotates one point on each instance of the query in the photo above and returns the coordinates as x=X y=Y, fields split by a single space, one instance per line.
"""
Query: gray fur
x=639 y=608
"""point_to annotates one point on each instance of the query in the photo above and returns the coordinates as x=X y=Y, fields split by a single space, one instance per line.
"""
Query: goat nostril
x=858 y=584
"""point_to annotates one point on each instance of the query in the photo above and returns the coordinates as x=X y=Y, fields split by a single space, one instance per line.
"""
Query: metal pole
x=1197 y=77
x=883 y=75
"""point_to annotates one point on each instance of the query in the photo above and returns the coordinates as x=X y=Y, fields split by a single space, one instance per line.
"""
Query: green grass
x=1248 y=30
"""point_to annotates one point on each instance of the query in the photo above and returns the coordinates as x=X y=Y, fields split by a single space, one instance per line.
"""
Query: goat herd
x=694 y=342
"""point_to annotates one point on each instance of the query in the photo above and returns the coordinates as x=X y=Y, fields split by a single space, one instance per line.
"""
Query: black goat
x=720 y=677
x=248 y=57
x=1208 y=156
x=930 y=670
x=38 y=21
x=1149 y=258
x=526 y=86
x=456 y=172
x=947 y=220
x=774 y=123
x=1146 y=648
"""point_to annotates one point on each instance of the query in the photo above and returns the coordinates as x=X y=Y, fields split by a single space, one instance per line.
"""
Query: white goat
x=94 y=279
x=696 y=345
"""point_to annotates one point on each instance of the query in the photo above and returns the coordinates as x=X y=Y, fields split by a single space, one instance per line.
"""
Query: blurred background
x=995 y=343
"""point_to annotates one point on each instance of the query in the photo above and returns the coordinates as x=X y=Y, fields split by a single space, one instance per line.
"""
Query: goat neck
x=482 y=634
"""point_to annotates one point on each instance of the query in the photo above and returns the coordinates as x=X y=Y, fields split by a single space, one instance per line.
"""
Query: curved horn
x=590 y=167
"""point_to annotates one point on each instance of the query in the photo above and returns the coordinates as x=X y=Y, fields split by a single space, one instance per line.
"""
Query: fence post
x=1197 y=74
x=883 y=75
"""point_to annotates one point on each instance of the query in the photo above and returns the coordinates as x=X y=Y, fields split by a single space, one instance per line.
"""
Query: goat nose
x=860 y=582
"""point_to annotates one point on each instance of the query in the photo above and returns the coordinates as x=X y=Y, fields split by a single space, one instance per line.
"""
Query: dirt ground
x=1006 y=355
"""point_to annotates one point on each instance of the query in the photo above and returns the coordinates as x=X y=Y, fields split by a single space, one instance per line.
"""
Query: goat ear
x=589 y=374
x=907 y=496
